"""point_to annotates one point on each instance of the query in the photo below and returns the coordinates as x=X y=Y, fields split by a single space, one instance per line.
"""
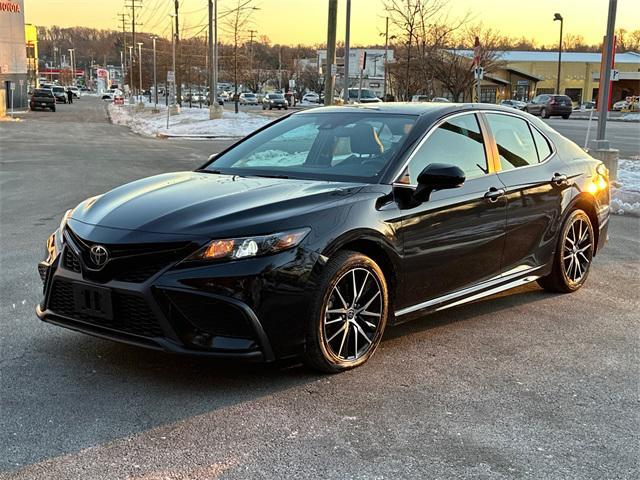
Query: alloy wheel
x=352 y=315
x=577 y=250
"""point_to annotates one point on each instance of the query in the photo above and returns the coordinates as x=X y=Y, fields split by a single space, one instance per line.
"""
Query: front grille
x=131 y=314
x=133 y=263
x=70 y=261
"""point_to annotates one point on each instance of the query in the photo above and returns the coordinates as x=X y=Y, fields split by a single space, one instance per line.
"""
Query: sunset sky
x=305 y=21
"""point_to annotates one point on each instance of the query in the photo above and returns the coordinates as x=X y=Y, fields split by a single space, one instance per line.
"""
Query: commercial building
x=523 y=74
x=13 y=54
x=373 y=61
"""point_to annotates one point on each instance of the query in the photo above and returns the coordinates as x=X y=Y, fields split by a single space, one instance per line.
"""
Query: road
x=523 y=385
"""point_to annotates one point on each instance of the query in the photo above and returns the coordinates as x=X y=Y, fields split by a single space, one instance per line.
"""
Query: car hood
x=196 y=203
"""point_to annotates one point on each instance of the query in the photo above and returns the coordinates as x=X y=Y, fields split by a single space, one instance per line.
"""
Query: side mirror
x=437 y=176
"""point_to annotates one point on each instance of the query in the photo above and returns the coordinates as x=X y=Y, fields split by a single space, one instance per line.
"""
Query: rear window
x=43 y=93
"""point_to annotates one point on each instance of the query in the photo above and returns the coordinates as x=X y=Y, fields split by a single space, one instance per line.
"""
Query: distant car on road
x=440 y=100
x=274 y=100
x=547 y=105
x=585 y=106
x=111 y=94
x=311 y=97
x=366 y=96
x=420 y=98
x=42 y=98
x=60 y=93
x=514 y=104
x=248 y=99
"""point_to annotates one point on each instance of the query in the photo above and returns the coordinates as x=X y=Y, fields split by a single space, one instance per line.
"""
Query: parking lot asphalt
x=525 y=384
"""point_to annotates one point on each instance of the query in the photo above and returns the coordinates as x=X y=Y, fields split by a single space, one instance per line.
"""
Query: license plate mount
x=93 y=301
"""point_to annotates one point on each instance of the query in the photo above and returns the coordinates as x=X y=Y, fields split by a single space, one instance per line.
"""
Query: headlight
x=247 y=247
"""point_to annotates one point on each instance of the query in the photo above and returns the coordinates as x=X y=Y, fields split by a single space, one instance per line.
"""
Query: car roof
x=410 y=108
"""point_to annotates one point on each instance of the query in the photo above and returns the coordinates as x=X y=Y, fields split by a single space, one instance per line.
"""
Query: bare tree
x=236 y=25
x=453 y=66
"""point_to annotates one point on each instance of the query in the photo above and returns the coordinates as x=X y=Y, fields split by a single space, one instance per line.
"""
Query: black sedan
x=274 y=100
x=309 y=237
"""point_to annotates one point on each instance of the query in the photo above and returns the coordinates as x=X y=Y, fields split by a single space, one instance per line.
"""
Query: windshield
x=43 y=93
x=58 y=89
x=275 y=95
x=345 y=146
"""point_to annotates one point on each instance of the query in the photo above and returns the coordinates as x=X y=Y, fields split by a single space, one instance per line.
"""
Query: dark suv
x=42 y=98
x=550 y=105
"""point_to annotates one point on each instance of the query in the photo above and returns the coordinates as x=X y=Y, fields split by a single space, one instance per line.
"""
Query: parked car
x=311 y=97
x=547 y=105
x=585 y=106
x=60 y=93
x=621 y=105
x=366 y=96
x=514 y=104
x=274 y=100
x=420 y=98
x=111 y=94
x=248 y=99
x=42 y=98
x=313 y=235
x=440 y=100
x=75 y=91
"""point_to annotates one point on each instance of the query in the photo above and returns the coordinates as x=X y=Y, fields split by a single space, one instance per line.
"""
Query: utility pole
x=123 y=18
x=176 y=46
x=347 y=38
x=330 y=70
x=133 y=5
x=280 y=69
x=386 y=54
x=131 y=73
x=215 y=110
x=600 y=148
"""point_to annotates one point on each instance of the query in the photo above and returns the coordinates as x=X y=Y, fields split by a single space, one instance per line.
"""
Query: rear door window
x=514 y=140
x=542 y=145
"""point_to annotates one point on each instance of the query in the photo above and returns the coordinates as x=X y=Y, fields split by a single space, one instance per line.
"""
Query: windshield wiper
x=274 y=175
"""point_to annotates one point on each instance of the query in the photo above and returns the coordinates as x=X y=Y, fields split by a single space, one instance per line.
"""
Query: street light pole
x=558 y=17
x=347 y=38
x=155 y=75
x=215 y=111
x=386 y=54
x=130 y=73
x=140 y=71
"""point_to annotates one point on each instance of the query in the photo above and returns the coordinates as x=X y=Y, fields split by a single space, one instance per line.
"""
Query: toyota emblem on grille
x=98 y=255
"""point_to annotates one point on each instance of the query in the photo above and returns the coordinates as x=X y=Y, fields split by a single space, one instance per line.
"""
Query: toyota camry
x=312 y=235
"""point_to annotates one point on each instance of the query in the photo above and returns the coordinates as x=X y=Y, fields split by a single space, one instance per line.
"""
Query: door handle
x=559 y=179
x=494 y=194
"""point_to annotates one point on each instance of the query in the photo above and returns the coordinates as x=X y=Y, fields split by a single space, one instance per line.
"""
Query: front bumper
x=248 y=310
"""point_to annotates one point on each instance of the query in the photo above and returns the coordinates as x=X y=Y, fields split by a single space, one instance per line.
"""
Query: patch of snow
x=625 y=193
x=631 y=117
x=190 y=122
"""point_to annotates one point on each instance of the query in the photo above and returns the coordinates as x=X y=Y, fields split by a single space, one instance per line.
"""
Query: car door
x=534 y=179
x=455 y=239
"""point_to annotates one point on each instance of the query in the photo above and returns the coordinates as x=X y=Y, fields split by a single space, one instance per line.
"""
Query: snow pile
x=631 y=117
x=625 y=196
x=191 y=122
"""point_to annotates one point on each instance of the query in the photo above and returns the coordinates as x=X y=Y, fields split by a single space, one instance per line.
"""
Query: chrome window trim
x=426 y=136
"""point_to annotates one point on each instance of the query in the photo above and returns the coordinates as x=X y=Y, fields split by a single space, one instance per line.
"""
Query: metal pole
x=130 y=74
x=155 y=75
x=140 y=71
x=212 y=92
x=603 y=92
x=215 y=49
x=347 y=38
x=559 y=57
x=386 y=54
x=331 y=52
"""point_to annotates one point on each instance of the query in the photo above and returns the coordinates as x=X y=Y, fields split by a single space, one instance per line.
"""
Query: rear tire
x=566 y=117
x=53 y=109
x=574 y=252
x=348 y=314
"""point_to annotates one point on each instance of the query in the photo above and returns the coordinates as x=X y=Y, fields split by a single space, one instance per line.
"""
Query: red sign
x=9 y=7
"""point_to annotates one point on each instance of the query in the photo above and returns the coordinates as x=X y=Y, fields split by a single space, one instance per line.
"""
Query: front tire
x=572 y=260
x=348 y=314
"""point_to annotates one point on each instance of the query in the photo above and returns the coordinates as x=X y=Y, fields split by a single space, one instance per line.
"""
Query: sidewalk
x=611 y=117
